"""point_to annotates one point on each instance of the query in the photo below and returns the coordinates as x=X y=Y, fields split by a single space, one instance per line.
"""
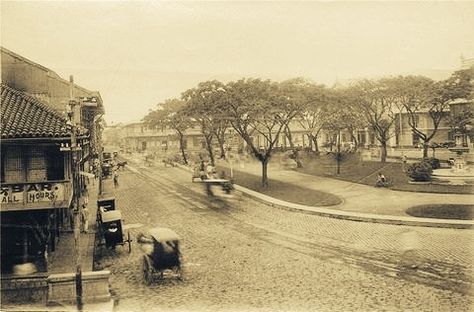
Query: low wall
x=62 y=287
x=21 y=289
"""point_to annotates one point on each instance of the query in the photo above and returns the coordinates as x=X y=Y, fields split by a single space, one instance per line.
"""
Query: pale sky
x=137 y=54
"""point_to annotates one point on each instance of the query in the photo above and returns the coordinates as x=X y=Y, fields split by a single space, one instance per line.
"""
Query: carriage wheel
x=129 y=242
x=179 y=271
x=146 y=271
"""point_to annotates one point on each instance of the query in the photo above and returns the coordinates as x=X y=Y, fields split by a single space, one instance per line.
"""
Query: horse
x=121 y=164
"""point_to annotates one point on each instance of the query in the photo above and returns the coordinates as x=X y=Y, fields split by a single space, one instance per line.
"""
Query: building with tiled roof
x=36 y=177
x=49 y=88
x=41 y=82
x=37 y=172
x=23 y=116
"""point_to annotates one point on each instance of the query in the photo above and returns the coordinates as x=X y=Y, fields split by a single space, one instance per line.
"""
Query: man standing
x=404 y=163
x=116 y=183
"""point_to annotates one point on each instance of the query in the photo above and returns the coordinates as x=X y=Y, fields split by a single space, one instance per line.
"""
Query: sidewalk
x=63 y=259
x=359 y=202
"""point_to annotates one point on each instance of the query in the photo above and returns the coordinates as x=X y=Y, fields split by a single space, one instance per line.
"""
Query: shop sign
x=37 y=192
x=12 y=194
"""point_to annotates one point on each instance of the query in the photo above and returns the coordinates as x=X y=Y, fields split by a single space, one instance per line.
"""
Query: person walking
x=116 y=183
x=85 y=218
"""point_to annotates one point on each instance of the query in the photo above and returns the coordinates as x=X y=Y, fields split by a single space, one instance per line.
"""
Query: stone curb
x=350 y=215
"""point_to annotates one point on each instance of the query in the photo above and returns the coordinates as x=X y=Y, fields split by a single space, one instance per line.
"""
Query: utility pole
x=75 y=193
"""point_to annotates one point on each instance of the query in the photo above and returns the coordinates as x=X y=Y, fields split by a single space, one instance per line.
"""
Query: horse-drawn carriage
x=210 y=179
x=109 y=225
x=162 y=255
x=107 y=169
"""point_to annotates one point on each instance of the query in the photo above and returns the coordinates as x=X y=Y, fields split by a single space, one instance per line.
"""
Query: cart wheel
x=129 y=242
x=179 y=271
x=146 y=272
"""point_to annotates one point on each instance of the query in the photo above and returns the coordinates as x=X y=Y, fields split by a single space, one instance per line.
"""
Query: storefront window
x=36 y=165
x=12 y=158
x=55 y=165
x=31 y=164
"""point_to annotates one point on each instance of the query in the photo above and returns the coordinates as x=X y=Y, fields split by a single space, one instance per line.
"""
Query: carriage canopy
x=162 y=234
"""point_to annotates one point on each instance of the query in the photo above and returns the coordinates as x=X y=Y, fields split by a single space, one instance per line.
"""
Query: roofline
x=15 y=55
x=42 y=139
x=54 y=76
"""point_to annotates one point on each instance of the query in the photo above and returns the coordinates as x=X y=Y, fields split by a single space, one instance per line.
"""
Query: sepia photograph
x=228 y=156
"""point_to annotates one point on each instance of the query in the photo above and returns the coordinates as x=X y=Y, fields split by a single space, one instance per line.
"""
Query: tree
x=340 y=114
x=312 y=100
x=420 y=95
x=205 y=104
x=461 y=117
x=461 y=120
x=376 y=101
x=170 y=114
x=258 y=109
x=295 y=96
x=180 y=122
x=417 y=96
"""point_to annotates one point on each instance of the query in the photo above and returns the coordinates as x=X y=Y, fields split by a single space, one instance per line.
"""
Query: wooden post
x=75 y=197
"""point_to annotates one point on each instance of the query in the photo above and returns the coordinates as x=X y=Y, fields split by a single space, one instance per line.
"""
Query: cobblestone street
x=244 y=255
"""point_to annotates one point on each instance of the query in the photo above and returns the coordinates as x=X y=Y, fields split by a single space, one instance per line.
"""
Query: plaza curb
x=350 y=215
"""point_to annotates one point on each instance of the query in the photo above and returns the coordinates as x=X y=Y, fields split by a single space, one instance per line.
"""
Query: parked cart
x=111 y=230
x=105 y=203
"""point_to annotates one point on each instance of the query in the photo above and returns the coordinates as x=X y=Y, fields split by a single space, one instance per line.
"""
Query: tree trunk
x=338 y=155
x=355 y=141
x=310 y=140
x=181 y=147
x=209 y=150
x=383 y=152
x=221 y=147
x=425 y=149
x=290 y=138
x=264 y=172
x=293 y=149
x=315 y=142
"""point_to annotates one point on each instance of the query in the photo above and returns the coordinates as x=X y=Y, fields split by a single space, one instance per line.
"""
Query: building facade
x=49 y=88
x=37 y=183
x=36 y=178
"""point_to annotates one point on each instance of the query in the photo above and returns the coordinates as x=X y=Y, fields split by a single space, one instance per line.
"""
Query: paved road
x=244 y=255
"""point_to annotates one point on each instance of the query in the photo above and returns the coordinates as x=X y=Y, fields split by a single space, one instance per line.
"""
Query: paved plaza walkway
x=360 y=197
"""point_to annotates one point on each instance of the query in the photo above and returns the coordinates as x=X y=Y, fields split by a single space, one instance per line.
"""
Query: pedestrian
x=210 y=171
x=116 y=183
x=85 y=218
x=381 y=180
x=85 y=195
x=404 y=163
